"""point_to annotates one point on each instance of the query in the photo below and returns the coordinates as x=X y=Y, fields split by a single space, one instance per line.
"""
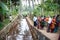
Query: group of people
x=52 y=23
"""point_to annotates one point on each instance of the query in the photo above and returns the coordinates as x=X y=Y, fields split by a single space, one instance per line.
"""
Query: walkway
x=24 y=32
x=42 y=34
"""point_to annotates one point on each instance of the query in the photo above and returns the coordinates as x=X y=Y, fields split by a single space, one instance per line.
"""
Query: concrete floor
x=24 y=32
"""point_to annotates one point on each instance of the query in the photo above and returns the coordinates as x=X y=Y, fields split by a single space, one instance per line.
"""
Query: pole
x=29 y=6
x=20 y=8
x=33 y=3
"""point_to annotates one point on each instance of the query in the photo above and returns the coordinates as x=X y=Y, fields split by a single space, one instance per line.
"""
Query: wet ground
x=23 y=32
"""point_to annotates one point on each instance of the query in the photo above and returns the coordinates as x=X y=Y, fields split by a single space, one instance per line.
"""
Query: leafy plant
x=47 y=8
x=1 y=25
x=3 y=11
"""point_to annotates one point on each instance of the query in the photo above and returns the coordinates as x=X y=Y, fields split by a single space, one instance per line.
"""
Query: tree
x=48 y=7
x=3 y=11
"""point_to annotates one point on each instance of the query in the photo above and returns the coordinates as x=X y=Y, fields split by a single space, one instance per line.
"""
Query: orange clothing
x=52 y=26
x=47 y=19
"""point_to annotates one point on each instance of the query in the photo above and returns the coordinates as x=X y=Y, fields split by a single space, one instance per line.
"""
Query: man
x=49 y=22
x=35 y=20
x=57 y=23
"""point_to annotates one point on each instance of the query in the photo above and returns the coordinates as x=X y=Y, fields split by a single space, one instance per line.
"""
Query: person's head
x=58 y=15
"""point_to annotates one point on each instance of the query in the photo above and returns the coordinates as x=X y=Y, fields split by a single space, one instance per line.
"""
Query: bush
x=1 y=25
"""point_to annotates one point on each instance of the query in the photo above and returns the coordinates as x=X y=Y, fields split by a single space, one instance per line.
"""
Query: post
x=20 y=8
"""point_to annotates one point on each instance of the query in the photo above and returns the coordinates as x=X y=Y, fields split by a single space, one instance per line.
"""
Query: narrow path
x=23 y=32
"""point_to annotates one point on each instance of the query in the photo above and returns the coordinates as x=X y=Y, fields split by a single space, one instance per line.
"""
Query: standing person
x=42 y=22
x=53 y=23
x=57 y=23
x=59 y=37
x=39 y=22
x=48 y=25
x=35 y=20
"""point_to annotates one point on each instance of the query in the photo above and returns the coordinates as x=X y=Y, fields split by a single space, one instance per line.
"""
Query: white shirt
x=50 y=20
x=42 y=17
x=10 y=18
x=35 y=18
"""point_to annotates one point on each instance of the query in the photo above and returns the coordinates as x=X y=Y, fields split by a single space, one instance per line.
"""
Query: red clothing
x=59 y=24
x=52 y=26
x=39 y=20
x=46 y=19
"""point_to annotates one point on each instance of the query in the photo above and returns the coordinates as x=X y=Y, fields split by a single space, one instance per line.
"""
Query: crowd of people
x=52 y=23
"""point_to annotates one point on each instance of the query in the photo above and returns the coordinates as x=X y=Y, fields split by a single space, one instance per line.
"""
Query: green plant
x=47 y=8
x=3 y=11
x=1 y=25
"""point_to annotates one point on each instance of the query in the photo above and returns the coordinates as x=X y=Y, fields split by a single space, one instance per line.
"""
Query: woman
x=39 y=21
x=52 y=25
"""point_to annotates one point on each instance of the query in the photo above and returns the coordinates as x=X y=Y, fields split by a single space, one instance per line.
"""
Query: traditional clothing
x=52 y=25
x=39 y=25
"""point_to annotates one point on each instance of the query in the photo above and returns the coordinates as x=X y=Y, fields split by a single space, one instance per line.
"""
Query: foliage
x=4 y=7
x=14 y=12
x=5 y=22
x=57 y=1
x=1 y=25
x=49 y=8
x=36 y=12
x=3 y=10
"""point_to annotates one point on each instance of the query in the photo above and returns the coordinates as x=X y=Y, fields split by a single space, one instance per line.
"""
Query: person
x=59 y=37
x=39 y=22
x=52 y=25
x=42 y=22
x=48 y=23
x=35 y=20
x=57 y=23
